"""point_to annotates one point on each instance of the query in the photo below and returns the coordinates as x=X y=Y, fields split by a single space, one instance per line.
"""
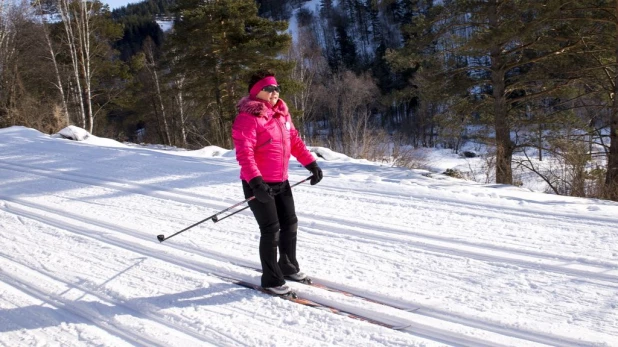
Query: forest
x=374 y=79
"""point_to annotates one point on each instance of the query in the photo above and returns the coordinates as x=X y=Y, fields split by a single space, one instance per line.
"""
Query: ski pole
x=216 y=219
x=162 y=237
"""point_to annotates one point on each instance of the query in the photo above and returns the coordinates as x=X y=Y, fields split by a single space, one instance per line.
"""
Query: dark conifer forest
x=373 y=79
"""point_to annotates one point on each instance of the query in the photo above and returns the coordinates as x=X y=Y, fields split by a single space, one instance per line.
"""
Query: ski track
x=89 y=316
x=131 y=309
x=411 y=202
x=600 y=270
x=143 y=251
x=604 y=271
x=472 y=208
x=575 y=265
x=442 y=335
x=463 y=249
x=395 y=234
x=416 y=329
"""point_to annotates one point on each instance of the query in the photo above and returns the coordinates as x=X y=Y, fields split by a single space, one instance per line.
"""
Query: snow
x=486 y=264
x=311 y=5
x=73 y=133
x=165 y=25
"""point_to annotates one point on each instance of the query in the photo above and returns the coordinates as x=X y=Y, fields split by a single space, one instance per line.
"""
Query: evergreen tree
x=215 y=44
x=274 y=9
x=504 y=55
x=374 y=18
x=146 y=8
x=346 y=47
x=139 y=22
x=136 y=30
x=596 y=23
x=397 y=74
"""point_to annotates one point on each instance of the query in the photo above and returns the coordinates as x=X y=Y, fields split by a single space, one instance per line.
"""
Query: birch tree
x=7 y=50
x=71 y=41
x=87 y=35
x=5 y=31
x=178 y=86
x=58 y=84
x=7 y=34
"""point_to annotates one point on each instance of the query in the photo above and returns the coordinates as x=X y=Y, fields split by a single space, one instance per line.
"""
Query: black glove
x=262 y=191
x=316 y=171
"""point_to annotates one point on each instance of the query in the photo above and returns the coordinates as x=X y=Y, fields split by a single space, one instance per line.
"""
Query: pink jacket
x=264 y=138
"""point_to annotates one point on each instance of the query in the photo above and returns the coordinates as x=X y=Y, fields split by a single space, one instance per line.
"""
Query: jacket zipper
x=281 y=128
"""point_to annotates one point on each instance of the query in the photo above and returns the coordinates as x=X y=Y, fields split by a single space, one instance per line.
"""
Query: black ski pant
x=278 y=228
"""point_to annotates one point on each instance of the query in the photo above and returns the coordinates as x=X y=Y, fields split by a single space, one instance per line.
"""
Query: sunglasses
x=271 y=89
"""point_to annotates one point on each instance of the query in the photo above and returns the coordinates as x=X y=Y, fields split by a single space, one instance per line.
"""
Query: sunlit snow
x=486 y=265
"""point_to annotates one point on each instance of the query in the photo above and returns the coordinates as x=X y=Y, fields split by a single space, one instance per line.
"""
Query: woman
x=264 y=138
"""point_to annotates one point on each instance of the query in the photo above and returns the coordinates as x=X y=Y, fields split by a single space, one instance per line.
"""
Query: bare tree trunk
x=52 y=54
x=82 y=21
x=302 y=73
x=7 y=53
x=71 y=43
x=4 y=32
x=6 y=39
x=59 y=86
x=540 y=141
x=166 y=128
x=152 y=68
x=181 y=110
x=504 y=147
x=611 y=179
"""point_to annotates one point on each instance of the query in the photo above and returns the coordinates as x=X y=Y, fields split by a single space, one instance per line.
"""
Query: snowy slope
x=488 y=265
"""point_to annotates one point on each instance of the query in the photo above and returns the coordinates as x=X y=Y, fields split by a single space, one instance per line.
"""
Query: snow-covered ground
x=487 y=265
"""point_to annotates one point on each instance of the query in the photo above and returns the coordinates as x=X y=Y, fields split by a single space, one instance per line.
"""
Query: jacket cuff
x=312 y=165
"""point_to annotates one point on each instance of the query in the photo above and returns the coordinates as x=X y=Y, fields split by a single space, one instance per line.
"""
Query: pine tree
x=346 y=47
x=503 y=54
x=215 y=44
x=596 y=22
x=274 y=9
x=401 y=75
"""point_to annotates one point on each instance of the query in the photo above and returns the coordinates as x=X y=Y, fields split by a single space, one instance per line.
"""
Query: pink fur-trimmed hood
x=260 y=108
